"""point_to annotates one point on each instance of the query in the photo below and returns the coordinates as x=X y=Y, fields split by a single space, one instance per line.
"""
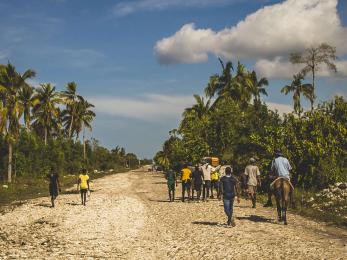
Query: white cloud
x=150 y=107
x=281 y=108
x=278 y=68
x=272 y=31
x=128 y=7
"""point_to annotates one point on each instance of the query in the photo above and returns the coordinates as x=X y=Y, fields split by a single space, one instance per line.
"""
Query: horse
x=282 y=189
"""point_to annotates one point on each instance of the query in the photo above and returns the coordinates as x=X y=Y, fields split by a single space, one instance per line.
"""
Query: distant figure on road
x=197 y=179
x=83 y=186
x=186 y=181
x=171 y=183
x=230 y=190
x=253 y=180
x=54 y=186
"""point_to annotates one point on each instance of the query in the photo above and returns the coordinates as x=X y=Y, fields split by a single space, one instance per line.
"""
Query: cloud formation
x=155 y=107
x=270 y=32
x=128 y=7
x=150 y=107
x=279 y=68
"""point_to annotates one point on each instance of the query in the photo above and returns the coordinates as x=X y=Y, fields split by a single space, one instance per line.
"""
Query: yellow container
x=214 y=161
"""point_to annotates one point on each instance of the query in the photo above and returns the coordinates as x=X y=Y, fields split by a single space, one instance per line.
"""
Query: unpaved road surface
x=128 y=217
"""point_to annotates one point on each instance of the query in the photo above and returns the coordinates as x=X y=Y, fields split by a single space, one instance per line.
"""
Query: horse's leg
x=278 y=204
x=286 y=201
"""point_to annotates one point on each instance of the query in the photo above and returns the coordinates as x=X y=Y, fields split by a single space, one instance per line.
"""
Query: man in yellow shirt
x=83 y=186
x=186 y=181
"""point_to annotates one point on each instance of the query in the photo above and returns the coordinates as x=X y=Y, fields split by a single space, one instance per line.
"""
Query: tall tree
x=258 y=86
x=83 y=120
x=46 y=112
x=225 y=85
x=11 y=83
x=200 y=108
x=312 y=59
x=27 y=97
x=298 y=88
x=70 y=98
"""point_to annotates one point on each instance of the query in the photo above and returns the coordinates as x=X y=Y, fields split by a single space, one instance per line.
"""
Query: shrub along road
x=128 y=217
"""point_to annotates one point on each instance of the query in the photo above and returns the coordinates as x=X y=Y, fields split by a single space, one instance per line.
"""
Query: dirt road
x=128 y=217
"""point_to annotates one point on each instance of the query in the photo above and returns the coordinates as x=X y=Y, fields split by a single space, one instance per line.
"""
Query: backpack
x=214 y=176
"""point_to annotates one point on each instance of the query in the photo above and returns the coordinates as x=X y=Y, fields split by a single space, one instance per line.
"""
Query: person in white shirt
x=207 y=169
x=253 y=180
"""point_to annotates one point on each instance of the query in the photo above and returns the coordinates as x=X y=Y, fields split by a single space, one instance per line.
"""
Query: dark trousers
x=186 y=187
x=206 y=190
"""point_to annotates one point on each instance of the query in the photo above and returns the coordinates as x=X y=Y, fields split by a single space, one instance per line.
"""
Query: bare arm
x=238 y=191
x=78 y=183
x=58 y=184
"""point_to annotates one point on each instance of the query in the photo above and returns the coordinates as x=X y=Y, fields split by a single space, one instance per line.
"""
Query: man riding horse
x=280 y=168
x=281 y=186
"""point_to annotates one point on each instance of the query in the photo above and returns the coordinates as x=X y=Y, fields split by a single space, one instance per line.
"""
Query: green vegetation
x=234 y=124
x=40 y=130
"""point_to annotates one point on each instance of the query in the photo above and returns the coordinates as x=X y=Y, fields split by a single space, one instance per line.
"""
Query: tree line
x=233 y=123
x=40 y=129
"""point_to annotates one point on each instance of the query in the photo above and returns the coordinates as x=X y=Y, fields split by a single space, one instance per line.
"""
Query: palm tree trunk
x=84 y=145
x=46 y=136
x=10 y=151
x=27 y=126
x=72 y=118
x=313 y=85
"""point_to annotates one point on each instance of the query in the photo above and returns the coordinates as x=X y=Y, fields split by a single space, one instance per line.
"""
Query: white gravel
x=127 y=217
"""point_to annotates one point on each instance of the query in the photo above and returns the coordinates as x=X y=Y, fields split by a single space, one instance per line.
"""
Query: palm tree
x=46 y=112
x=312 y=58
x=163 y=159
x=218 y=83
x=70 y=98
x=26 y=95
x=11 y=83
x=258 y=86
x=84 y=117
x=298 y=88
x=226 y=85
x=200 y=108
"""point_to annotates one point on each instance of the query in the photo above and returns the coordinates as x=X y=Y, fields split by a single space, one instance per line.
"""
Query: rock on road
x=128 y=217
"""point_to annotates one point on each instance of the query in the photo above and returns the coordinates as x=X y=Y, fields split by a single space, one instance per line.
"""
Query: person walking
x=253 y=180
x=83 y=186
x=186 y=181
x=230 y=189
x=54 y=186
x=224 y=165
x=171 y=184
x=207 y=169
x=197 y=180
x=215 y=183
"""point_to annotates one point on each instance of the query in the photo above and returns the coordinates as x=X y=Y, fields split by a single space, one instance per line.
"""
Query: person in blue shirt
x=280 y=168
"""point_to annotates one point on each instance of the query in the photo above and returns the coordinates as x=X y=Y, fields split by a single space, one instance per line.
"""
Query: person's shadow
x=73 y=203
x=255 y=218
x=206 y=223
x=45 y=205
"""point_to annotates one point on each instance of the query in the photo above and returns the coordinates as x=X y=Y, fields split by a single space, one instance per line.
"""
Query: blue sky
x=140 y=61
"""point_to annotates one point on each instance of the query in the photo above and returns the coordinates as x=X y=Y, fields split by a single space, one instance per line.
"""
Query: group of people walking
x=204 y=181
x=55 y=188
